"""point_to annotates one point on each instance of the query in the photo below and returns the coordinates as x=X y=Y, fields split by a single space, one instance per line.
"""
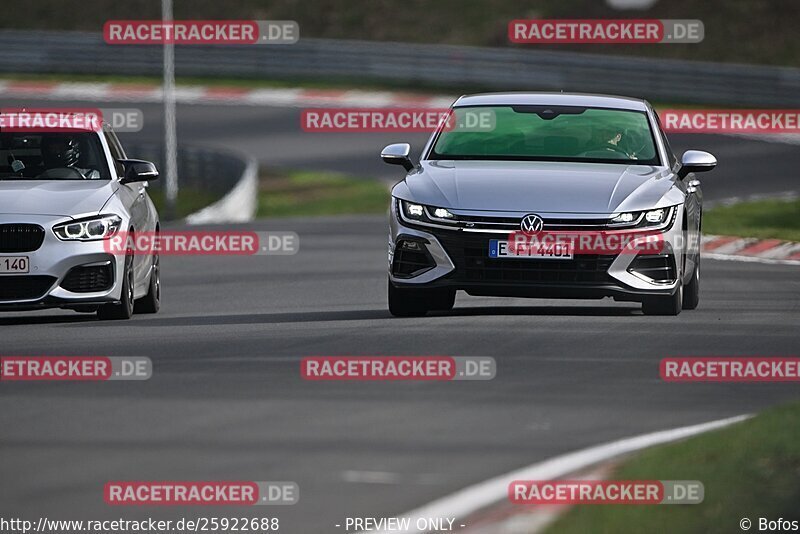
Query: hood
x=546 y=187
x=65 y=198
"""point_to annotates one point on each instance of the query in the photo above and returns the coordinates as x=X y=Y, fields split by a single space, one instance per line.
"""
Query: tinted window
x=549 y=133
x=52 y=156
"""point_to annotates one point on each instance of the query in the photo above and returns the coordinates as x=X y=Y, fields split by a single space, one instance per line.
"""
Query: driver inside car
x=64 y=152
x=615 y=141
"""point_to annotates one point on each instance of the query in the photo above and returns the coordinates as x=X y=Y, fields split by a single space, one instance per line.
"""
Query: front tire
x=407 y=302
x=691 y=293
x=665 y=305
x=442 y=299
x=151 y=302
x=123 y=309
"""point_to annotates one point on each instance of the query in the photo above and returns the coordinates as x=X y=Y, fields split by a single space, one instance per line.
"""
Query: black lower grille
x=18 y=287
x=411 y=258
x=20 y=237
x=659 y=268
x=86 y=279
x=470 y=254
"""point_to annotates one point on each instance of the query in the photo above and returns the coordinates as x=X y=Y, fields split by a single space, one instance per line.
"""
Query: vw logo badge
x=531 y=224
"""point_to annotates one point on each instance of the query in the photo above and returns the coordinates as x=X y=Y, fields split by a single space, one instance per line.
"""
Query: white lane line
x=748 y=259
x=387 y=477
x=371 y=477
x=469 y=500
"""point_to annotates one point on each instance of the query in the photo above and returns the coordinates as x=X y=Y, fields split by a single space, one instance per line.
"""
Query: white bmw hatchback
x=63 y=194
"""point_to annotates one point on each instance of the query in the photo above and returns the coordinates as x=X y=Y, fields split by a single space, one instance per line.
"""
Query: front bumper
x=62 y=274
x=459 y=259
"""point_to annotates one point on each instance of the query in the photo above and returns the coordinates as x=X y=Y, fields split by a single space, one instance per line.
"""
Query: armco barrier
x=238 y=205
x=501 y=68
x=231 y=177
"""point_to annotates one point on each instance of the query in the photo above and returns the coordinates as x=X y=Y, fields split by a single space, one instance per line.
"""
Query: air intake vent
x=411 y=258
x=658 y=268
x=89 y=278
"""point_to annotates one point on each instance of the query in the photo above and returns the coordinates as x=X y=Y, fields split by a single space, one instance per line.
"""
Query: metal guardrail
x=492 y=68
x=229 y=176
x=239 y=204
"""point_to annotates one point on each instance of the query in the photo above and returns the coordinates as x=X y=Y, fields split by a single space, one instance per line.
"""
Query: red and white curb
x=751 y=249
x=508 y=518
x=240 y=96
x=470 y=501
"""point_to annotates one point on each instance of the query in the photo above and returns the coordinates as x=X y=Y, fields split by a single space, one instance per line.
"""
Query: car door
x=134 y=196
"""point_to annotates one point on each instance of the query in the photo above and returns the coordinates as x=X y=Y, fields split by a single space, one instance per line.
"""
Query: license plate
x=14 y=264
x=539 y=251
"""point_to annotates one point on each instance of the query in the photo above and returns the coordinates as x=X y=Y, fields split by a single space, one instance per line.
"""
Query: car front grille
x=89 y=278
x=20 y=237
x=473 y=223
x=24 y=287
x=470 y=254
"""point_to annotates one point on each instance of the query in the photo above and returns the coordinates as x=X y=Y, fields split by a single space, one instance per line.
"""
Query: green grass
x=189 y=201
x=779 y=219
x=307 y=193
x=749 y=470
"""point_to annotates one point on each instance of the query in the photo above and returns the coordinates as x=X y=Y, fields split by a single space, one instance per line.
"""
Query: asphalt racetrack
x=226 y=400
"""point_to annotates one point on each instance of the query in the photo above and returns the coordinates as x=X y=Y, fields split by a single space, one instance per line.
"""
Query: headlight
x=441 y=213
x=413 y=211
x=643 y=219
x=624 y=218
x=95 y=228
x=655 y=216
x=424 y=213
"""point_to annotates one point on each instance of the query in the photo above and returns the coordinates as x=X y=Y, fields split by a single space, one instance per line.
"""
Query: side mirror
x=398 y=154
x=138 y=170
x=696 y=161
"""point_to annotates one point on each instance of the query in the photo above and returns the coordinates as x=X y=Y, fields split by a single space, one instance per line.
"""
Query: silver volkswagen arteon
x=546 y=163
x=63 y=194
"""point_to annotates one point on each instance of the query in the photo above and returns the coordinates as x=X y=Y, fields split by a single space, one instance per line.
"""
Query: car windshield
x=52 y=156
x=547 y=133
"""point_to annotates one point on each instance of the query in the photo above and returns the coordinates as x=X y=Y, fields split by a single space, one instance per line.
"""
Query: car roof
x=552 y=99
